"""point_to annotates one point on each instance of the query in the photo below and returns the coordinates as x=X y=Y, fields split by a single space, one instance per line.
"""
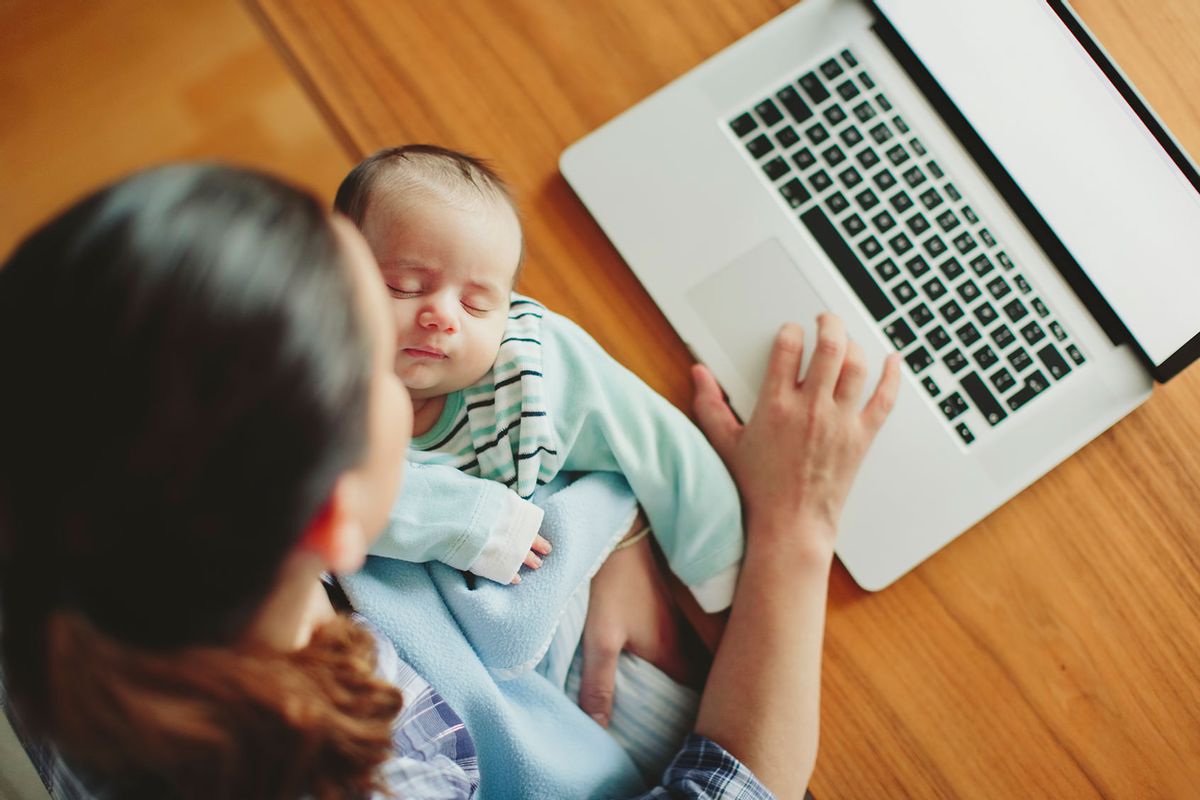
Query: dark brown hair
x=187 y=376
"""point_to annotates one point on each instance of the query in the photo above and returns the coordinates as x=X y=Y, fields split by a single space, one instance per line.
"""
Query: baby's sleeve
x=607 y=419
x=469 y=523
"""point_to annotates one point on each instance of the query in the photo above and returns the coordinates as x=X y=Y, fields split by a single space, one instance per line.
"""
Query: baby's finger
x=540 y=545
x=532 y=561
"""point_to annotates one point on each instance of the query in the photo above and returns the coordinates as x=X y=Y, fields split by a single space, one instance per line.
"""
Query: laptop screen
x=1124 y=203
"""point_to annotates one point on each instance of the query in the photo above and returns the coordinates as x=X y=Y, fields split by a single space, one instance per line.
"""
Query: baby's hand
x=533 y=560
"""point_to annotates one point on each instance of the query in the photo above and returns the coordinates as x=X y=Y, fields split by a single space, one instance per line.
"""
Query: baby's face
x=449 y=272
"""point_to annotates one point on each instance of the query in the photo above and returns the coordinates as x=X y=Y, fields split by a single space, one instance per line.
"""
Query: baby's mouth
x=424 y=352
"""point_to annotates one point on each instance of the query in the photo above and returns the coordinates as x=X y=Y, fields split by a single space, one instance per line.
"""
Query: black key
x=1003 y=336
x=935 y=170
x=1035 y=384
x=998 y=288
x=987 y=237
x=951 y=268
x=787 y=136
x=866 y=81
x=952 y=192
x=1040 y=307
x=897 y=155
x=917 y=266
x=850 y=177
x=934 y=288
x=776 y=168
x=916 y=146
x=833 y=155
x=900 y=243
x=947 y=220
x=804 y=158
x=817 y=133
x=870 y=247
x=850 y=137
x=1019 y=359
x=951 y=311
x=883 y=102
x=768 y=112
x=953 y=406
x=1004 y=260
x=900 y=124
x=904 y=292
x=847 y=90
x=849 y=58
x=969 y=213
x=1075 y=354
x=931 y=199
x=853 y=224
x=868 y=158
x=955 y=361
x=881 y=133
x=837 y=202
x=918 y=359
x=1056 y=365
x=813 y=87
x=964 y=432
x=931 y=386
x=900 y=334
x=914 y=177
x=901 y=202
x=884 y=180
x=866 y=199
x=968 y=334
x=743 y=124
x=935 y=246
x=884 y=221
x=938 y=338
x=820 y=180
x=887 y=269
x=968 y=290
x=1016 y=310
x=759 y=146
x=965 y=243
x=863 y=111
x=1057 y=330
x=794 y=193
x=917 y=224
x=834 y=115
x=1033 y=333
x=1022 y=284
x=980 y=265
x=831 y=69
x=921 y=315
x=985 y=357
x=985 y=313
x=1003 y=380
x=868 y=291
x=984 y=400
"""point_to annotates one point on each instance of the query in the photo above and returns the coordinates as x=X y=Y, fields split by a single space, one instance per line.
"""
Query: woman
x=201 y=419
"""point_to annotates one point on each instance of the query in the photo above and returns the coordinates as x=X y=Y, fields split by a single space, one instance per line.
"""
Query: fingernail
x=549 y=547
x=537 y=562
x=601 y=719
x=517 y=579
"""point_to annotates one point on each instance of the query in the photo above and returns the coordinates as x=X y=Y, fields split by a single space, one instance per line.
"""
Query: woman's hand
x=795 y=461
x=630 y=608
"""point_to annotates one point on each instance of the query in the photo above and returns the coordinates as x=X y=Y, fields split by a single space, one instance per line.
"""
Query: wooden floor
x=91 y=90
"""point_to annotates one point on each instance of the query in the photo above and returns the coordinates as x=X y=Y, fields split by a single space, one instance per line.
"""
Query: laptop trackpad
x=745 y=302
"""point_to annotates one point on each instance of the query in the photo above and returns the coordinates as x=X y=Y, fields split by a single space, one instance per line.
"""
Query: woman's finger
x=854 y=375
x=883 y=400
x=713 y=414
x=828 y=354
x=598 y=680
x=783 y=367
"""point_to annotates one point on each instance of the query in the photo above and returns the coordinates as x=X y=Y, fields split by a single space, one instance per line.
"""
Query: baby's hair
x=420 y=169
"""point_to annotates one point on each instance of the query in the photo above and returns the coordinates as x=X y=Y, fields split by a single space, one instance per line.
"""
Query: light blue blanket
x=479 y=646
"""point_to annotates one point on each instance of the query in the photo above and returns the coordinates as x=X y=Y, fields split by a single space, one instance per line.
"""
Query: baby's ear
x=335 y=534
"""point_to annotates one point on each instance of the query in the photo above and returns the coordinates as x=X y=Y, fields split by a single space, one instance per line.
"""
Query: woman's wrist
x=800 y=540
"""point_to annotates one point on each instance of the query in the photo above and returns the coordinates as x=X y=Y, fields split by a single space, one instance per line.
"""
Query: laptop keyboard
x=971 y=327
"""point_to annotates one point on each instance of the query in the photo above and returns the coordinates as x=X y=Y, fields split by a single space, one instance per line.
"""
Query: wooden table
x=1052 y=651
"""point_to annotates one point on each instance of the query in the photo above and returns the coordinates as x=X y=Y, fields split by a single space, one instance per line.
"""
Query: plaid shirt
x=435 y=756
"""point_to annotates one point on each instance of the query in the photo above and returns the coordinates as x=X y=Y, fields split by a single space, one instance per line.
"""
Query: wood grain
x=1052 y=650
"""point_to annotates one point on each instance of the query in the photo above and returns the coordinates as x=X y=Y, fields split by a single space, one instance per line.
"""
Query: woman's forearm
x=762 y=699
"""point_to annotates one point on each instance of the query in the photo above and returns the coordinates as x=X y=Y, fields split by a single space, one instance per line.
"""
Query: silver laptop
x=969 y=182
